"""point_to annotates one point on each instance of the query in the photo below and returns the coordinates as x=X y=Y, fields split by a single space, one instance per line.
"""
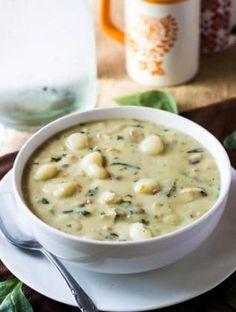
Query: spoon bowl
x=83 y=301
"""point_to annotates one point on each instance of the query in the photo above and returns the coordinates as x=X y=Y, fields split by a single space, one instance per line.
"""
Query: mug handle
x=107 y=23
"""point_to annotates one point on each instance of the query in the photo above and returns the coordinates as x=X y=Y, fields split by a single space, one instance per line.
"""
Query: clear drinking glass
x=47 y=60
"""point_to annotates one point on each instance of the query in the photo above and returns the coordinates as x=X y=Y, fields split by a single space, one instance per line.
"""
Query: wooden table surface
x=215 y=81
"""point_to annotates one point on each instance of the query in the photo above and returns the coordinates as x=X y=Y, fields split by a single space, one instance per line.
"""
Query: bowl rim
x=85 y=240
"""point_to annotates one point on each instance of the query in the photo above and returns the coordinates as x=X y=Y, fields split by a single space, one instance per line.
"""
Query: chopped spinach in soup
x=120 y=179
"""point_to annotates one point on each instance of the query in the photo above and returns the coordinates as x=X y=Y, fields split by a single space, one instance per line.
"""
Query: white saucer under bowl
x=197 y=273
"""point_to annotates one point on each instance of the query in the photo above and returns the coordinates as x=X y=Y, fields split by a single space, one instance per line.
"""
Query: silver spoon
x=84 y=302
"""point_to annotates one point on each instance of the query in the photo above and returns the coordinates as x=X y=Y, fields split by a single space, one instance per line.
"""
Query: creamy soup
x=120 y=179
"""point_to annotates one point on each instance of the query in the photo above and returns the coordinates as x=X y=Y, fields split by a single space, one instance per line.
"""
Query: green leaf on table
x=12 y=298
x=230 y=141
x=231 y=294
x=153 y=98
x=6 y=287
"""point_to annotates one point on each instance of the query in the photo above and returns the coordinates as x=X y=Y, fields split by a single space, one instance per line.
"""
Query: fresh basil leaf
x=172 y=190
x=195 y=150
x=6 y=287
x=153 y=98
x=45 y=201
x=125 y=165
x=83 y=212
x=203 y=192
x=58 y=158
x=12 y=298
x=92 y=192
x=193 y=161
x=230 y=141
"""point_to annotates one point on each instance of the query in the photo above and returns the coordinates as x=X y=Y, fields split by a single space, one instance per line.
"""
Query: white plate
x=197 y=273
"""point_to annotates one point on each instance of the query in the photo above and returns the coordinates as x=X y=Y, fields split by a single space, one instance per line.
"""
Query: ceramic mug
x=161 y=39
x=217 y=25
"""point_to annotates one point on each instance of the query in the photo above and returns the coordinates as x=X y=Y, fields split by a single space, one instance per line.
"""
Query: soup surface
x=120 y=179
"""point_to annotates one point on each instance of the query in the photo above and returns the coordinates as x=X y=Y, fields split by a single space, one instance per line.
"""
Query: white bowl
x=128 y=256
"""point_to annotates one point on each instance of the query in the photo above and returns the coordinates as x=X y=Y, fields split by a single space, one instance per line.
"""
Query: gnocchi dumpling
x=46 y=171
x=138 y=231
x=94 y=158
x=96 y=172
x=92 y=164
x=146 y=186
x=64 y=189
x=188 y=194
x=135 y=134
x=152 y=145
x=109 y=197
x=77 y=141
x=69 y=159
x=108 y=214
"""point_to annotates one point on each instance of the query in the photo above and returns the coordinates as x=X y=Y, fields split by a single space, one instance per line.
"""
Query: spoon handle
x=84 y=302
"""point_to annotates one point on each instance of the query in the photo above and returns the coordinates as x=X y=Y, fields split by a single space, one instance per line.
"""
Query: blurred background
x=214 y=82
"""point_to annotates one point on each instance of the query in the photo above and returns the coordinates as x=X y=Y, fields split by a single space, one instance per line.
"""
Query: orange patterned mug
x=161 y=39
